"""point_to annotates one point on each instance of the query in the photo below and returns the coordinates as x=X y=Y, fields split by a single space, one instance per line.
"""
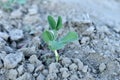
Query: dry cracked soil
x=95 y=56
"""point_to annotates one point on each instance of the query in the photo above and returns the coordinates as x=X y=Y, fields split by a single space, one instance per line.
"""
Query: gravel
x=12 y=60
x=12 y=74
x=16 y=34
x=102 y=67
x=94 y=56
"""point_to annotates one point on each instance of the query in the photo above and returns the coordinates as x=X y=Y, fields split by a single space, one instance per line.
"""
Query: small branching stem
x=56 y=55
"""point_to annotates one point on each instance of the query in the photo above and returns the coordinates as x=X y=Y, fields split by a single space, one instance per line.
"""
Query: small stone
x=28 y=51
x=12 y=74
x=2 y=43
x=16 y=14
x=89 y=31
x=85 y=68
x=73 y=67
x=26 y=76
x=45 y=72
x=34 y=60
x=16 y=34
x=20 y=69
x=85 y=40
x=30 y=67
x=8 y=49
x=66 y=61
x=74 y=77
x=51 y=76
x=35 y=74
x=79 y=64
x=4 y=35
x=2 y=55
x=63 y=69
x=39 y=68
x=102 y=67
x=33 y=10
x=65 y=74
x=41 y=77
x=31 y=19
x=53 y=68
x=12 y=60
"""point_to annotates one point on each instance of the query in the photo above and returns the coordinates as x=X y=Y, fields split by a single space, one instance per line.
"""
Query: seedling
x=52 y=39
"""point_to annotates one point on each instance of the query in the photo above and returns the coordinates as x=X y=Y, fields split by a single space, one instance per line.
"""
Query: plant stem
x=56 y=55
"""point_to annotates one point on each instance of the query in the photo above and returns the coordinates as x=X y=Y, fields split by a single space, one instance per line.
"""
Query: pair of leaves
x=53 y=24
x=49 y=38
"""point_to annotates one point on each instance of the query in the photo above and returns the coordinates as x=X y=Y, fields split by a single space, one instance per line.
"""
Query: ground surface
x=95 y=56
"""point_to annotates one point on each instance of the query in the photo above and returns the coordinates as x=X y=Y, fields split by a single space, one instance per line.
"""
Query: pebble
x=74 y=77
x=89 y=31
x=26 y=76
x=2 y=43
x=12 y=60
x=16 y=34
x=34 y=60
x=45 y=72
x=8 y=49
x=20 y=69
x=28 y=51
x=2 y=55
x=79 y=64
x=51 y=76
x=39 y=68
x=33 y=10
x=65 y=74
x=102 y=67
x=63 y=69
x=66 y=61
x=85 y=40
x=4 y=35
x=53 y=68
x=12 y=74
x=73 y=67
x=30 y=67
x=85 y=69
x=28 y=19
x=41 y=77
x=16 y=14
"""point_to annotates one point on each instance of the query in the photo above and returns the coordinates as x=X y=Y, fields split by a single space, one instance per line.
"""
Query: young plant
x=52 y=39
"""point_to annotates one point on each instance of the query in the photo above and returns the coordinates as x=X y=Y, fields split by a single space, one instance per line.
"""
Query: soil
x=95 y=56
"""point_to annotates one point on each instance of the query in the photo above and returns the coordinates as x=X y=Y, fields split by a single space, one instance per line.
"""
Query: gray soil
x=95 y=56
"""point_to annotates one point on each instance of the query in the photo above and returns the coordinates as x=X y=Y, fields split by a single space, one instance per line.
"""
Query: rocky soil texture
x=95 y=56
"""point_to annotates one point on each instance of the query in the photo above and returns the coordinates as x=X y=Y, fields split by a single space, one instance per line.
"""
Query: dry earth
x=95 y=56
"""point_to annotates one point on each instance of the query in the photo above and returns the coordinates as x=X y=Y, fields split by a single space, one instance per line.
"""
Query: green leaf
x=52 y=22
x=59 y=23
x=71 y=36
x=47 y=36
x=21 y=1
x=55 y=45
